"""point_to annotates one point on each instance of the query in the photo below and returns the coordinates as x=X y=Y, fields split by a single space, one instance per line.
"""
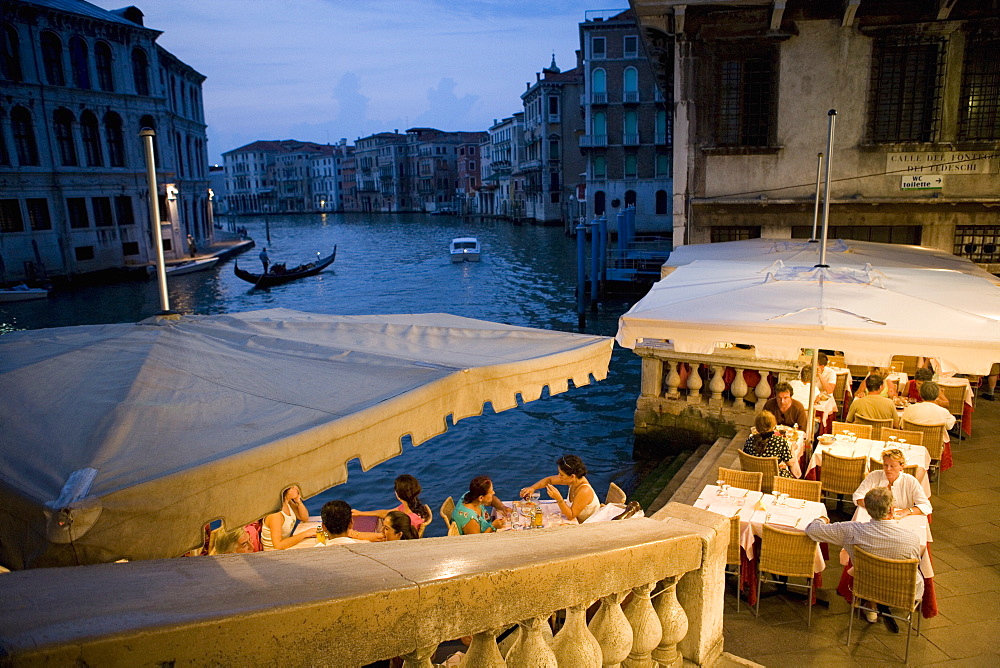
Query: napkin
x=789 y=521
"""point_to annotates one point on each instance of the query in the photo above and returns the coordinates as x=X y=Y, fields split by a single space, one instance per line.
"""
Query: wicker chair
x=615 y=494
x=447 y=508
x=876 y=426
x=956 y=403
x=841 y=475
x=906 y=363
x=889 y=582
x=933 y=441
x=859 y=430
x=742 y=479
x=840 y=388
x=790 y=554
x=875 y=465
x=911 y=437
x=767 y=466
x=733 y=555
x=423 y=525
x=807 y=490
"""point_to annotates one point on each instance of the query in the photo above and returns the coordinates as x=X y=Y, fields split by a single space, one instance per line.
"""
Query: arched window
x=105 y=66
x=630 y=80
x=115 y=139
x=629 y=197
x=179 y=153
x=52 y=59
x=10 y=54
x=599 y=206
x=148 y=122
x=631 y=166
x=140 y=71
x=24 y=137
x=599 y=81
x=600 y=170
x=79 y=60
x=62 y=121
x=661 y=202
x=91 y=139
x=600 y=124
x=661 y=126
x=631 y=128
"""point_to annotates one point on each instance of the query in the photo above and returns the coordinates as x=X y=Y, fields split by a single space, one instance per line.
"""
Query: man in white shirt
x=927 y=412
x=826 y=376
x=337 y=521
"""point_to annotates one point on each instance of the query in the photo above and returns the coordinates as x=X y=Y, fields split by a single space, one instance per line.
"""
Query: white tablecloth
x=871 y=449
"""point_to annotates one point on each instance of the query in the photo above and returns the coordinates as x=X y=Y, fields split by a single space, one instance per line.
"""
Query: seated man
x=907 y=494
x=873 y=406
x=913 y=387
x=881 y=537
x=928 y=412
x=826 y=376
x=787 y=411
x=337 y=522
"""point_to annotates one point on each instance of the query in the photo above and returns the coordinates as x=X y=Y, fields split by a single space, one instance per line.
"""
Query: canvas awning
x=869 y=313
x=147 y=431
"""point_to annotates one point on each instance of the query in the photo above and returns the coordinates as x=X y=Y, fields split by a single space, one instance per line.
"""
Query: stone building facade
x=916 y=87
x=79 y=82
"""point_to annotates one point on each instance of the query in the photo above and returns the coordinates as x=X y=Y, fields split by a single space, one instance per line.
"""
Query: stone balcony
x=658 y=581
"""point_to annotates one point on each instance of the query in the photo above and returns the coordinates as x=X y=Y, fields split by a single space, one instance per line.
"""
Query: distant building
x=552 y=165
x=496 y=197
x=628 y=139
x=375 y=158
x=915 y=86
x=79 y=82
x=327 y=179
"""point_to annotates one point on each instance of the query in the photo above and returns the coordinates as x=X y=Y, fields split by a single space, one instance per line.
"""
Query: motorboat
x=191 y=266
x=278 y=274
x=22 y=293
x=465 y=249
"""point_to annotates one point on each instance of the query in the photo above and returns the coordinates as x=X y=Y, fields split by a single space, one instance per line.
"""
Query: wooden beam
x=944 y=9
x=849 y=11
x=777 y=11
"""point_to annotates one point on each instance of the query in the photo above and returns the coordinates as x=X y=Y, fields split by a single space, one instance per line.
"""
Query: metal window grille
x=906 y=83
x=747 y=89
x=979 y=108
x=734 y=233
x=979 y=243
x=886 y=234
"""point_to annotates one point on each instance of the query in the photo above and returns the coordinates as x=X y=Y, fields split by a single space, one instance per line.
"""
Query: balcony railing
x=630 y=97
x=598 y=98
x=661 y=138
x=593 y=141
x=630 y=140
x=356 y=604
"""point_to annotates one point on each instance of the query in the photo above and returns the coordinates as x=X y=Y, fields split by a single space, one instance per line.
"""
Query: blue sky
x=320 y=70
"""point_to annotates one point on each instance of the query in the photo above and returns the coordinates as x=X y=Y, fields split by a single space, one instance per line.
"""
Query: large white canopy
x=870 y=314
x=167 y=424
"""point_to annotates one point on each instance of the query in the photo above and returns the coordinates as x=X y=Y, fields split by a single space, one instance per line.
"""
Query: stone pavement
x=966 y=554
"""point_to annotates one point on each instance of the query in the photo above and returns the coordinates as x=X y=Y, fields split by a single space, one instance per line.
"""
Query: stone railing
x=659 y=584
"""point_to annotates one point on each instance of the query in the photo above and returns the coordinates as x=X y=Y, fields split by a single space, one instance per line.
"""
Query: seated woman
x=889 y=386
x=583 y=502
x=407 y=490
x=396 y=526
x=769 y=443
x=276 y=533
x=922 y=376
x=906 y=490
x=229 y=542
x=470 y=516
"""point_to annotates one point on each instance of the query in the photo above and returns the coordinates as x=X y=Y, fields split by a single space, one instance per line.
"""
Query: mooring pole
x=595 y=263
x=154 y=219
x=581 y=274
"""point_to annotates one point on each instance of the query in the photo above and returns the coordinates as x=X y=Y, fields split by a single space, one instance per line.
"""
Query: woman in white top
x=276 y=534
x=907 y=493
x=583 y=501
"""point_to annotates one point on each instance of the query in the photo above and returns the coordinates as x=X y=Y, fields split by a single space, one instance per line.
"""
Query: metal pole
x=154 y=218
x=595 y=263
x=603 y=226
x=581 y=274
x=819 y=175
x=826 y=188
x=812 y=399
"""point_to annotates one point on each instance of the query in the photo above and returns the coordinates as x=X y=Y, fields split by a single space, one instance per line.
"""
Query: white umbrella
x=122 y=441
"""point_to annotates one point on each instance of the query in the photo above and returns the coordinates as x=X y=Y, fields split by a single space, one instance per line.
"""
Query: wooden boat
x=273 y=277
x=21 y=293
x=191 y=266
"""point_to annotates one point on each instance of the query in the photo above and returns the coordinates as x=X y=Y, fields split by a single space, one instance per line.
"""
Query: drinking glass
x=719 y=483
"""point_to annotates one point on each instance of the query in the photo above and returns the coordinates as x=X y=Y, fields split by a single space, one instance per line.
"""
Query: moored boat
x=22 y=293
x=464 y=249
x=277 y=274
x=191 y=266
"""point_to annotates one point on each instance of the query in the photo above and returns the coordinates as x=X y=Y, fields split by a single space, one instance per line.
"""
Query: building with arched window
x=79 y=83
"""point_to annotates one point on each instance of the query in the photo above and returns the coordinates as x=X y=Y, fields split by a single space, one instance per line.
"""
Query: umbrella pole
x=810 y=436
x=826 y=190
x=154 y=220
x=819 y=176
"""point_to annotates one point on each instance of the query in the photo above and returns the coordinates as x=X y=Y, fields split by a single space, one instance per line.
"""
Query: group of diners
x=479 y=510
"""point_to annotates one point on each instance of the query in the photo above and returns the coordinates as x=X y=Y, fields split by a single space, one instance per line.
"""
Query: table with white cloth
x=919 y=525
x=900 y=379
x=756 y=509
x=845 y=446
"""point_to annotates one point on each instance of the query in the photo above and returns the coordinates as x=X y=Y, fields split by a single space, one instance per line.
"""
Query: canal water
x=399 y=264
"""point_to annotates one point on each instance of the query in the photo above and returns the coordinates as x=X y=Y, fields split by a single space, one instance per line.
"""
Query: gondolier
x=264 y=259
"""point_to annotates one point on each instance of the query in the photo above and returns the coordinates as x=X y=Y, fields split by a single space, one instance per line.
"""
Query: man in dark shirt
x=787 y=411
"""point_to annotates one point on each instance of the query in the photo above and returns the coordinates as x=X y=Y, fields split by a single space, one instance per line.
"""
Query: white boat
x=465 y=249
x=22 y=293
x=191 y=266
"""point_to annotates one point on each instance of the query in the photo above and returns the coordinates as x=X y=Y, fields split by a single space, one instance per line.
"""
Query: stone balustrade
x=659 y=583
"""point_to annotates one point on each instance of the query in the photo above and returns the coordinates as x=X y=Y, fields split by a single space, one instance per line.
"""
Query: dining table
x=755 y=509
x=362 y=524
x=920 y=525
x=847 y=446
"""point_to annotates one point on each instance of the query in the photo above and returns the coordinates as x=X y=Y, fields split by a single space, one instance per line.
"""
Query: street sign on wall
x=921 y=182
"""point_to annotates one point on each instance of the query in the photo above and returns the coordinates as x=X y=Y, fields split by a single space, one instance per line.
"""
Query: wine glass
x=719 y=483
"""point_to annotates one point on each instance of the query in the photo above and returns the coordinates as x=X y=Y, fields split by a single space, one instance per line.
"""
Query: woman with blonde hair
x=767 y=442
x=909 y=497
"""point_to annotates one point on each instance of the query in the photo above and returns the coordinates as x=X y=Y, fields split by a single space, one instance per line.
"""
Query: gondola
x=271 y=279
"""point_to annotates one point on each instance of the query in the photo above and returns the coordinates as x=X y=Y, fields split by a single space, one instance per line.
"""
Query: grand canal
x=400 y=264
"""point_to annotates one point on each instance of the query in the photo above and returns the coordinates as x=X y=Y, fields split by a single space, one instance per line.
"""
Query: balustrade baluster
x=673 y=379
x=575 y=645
x=646 y=628
x=612 y=630
x=651 y=383
x=717 y=384
x=763 y=390
x=420 y=657
x=694 y=383
x=533 y=648
x=674 y=622
x=483 y=652
x=739 y=389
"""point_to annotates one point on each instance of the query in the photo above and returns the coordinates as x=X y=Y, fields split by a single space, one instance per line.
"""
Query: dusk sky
x=320 y=70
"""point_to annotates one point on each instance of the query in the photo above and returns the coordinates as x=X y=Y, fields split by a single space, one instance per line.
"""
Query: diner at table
x=396 y=525
x=767 y=442
x=928 y=412
x=922 y=376
x=823 y=401
x=336 y=524
x=470 y=514
x=407 y=490
x=276 y=532
x=582 y=499
x=908 y=496
x=850 y=446
x=786 y=410
x=826 y=376
x=873 y=405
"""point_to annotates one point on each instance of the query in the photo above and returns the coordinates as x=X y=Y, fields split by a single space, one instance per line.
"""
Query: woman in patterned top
x=768 y=443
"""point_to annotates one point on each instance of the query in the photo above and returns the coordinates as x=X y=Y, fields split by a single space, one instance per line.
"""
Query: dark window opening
x=11 y=219
x=102 y=211
x=662 y=202
x=10 y=55
x=79 y=61
x=906 y=89
x=77 y=209
x=735 y=233
x=38 y=214
x=115 y=139
x=140 y=72
x=747 y=90
x=886 y=234
x=599 y=205
x=979 y=106
x=130 y=248
x=105 y=70
x=630 y=198
x=52 y=59
x=84 y=253
x=91 y=139
x=979 y=243
x=24 y=137
x=123 y=210
x=63 y=121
